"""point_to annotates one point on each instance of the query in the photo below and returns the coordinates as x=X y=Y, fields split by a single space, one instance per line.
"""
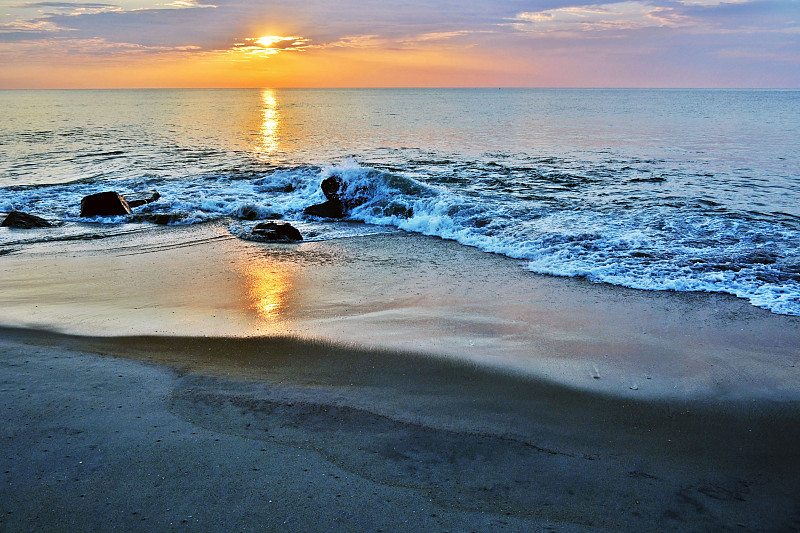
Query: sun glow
x=270 y=45
x=267 y=42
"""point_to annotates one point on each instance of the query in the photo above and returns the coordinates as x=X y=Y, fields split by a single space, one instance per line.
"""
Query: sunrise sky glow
x=420 y=43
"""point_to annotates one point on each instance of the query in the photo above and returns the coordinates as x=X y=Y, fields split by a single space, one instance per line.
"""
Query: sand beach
x=183 y=379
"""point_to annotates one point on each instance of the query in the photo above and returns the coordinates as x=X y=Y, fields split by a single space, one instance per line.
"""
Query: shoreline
x=406 y=292
x=471 y=447
x=390 y=381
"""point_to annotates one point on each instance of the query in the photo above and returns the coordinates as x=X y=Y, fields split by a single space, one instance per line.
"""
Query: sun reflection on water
x=270 y=123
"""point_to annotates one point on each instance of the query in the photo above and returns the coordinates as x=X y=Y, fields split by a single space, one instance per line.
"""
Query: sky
x=413 y=43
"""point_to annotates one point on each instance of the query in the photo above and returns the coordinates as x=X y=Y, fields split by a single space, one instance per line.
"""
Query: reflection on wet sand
x=267 y=286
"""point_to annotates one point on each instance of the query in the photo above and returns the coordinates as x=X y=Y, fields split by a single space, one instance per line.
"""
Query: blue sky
x=659 y=43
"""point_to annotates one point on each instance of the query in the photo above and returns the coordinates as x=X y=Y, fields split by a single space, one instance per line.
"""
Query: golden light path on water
x=270 y=124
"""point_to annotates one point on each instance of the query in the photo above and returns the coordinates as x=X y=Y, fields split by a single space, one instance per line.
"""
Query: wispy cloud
x=712 y=3
x=269 y=45
x=68 y=6
x=377 y=41
x=357 y=41
x=443 y=36
x=73 y=9
x=95 y=48
x=30 y=26
x=188 y=4
x=601 y=17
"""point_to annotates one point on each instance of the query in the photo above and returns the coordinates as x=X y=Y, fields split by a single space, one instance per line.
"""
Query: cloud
x=617 y=16
x=87 y=20
x=581 y=36
x=76 y=48
x=36 y=18
x=270 y=45
x=357 y=41
x=188 y=4
x=165 y=27
x=119 y=5
x=30 y=27
x=442 y=35
x=440 y=40
x=712 y=3
x=77 y=7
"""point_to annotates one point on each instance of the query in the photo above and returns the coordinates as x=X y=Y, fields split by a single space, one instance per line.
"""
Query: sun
x=270 y=44
x=268 y=40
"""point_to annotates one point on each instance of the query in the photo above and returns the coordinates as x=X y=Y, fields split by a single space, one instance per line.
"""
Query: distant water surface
x=653 y=189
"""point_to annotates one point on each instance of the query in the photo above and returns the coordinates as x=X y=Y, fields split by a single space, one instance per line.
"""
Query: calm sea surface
x=653 y=189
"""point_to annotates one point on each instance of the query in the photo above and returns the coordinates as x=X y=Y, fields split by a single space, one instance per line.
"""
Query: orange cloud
x=270 y=45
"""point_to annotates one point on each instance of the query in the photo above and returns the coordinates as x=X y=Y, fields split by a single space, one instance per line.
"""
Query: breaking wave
x=619 y=222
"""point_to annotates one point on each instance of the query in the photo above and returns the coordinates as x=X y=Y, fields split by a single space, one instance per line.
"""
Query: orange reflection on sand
x=268 y=286
x=270 y=123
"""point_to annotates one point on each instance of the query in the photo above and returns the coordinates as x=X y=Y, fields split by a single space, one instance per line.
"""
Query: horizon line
x=412 y=87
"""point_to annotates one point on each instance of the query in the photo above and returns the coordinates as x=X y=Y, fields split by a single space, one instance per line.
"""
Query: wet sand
x=392 y=382
x=405 y=292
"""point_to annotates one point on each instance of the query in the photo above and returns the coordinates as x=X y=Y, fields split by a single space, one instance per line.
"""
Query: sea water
x=684 y=190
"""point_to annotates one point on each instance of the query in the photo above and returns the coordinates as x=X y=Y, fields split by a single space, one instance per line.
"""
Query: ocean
x=680 y=190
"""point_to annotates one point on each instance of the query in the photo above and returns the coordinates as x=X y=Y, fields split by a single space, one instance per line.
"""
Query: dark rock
x=329 y=209
x=331 y=186
x=334 y=188
x=20 y=220
x=104 y=204
x=136 y=199
x=339 y=203
x=276 y=232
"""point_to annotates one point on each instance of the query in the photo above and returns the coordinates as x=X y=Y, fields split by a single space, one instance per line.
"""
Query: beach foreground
x=312 y=437
x=460 y=394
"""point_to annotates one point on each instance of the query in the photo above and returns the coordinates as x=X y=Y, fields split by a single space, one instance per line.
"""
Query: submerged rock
x=329 y=209
x=20 y=220
x=334 y=188
x=276 y=232
x=104 y=204
x=137 y=199
x=338 y=203
x=255 y=212
x=331 y=186
x=161 y=219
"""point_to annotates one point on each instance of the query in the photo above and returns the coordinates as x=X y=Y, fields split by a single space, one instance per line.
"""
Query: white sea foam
x=631 y=250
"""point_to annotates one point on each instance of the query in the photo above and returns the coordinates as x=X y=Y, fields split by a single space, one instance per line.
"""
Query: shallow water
x=694 y=190
x=404 y=292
